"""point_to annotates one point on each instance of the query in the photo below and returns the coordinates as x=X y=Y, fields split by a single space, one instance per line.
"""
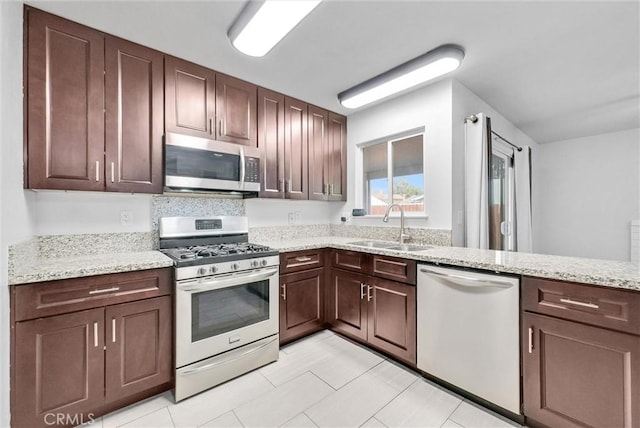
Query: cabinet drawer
x=301 y=260
x=68 y=295
x=351 y=260
x=394 y=268
x=604 y=307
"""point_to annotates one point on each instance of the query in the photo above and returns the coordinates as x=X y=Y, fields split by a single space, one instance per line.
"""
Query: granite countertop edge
x=602 y=273
x=51 y=269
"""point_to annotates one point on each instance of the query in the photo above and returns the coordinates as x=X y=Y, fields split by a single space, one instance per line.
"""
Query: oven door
x=219 y=313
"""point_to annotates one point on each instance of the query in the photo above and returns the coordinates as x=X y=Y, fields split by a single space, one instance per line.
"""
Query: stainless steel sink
x=409 y=247
x=373 y=244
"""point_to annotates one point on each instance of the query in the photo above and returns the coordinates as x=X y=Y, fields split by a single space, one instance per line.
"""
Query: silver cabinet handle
x=210 y=125
x=97 y=170
x=113 y=330
x=474 y=282
x=362 y=288
x=224 y=127
x=530 y=340
x=369 y=295
x=104 y=290
x=284 y=291
x=113 y=172
x=220 y=126
x=95 y=334
x=330 y=189
x=303 y=259
x=577 y=303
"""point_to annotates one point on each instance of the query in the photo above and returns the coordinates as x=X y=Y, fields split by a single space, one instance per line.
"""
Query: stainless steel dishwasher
x=468 y=332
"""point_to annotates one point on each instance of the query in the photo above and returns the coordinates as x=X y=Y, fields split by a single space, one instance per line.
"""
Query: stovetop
x=216 y=253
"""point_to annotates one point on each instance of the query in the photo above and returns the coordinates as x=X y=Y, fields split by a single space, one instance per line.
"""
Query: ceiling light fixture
x=428 y=66
x=262 y=24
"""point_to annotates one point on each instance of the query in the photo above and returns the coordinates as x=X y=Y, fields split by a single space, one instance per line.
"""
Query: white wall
x=466 y=103
x=429 y=107
x=16 y=205
x=587 y=192
x=272 y=212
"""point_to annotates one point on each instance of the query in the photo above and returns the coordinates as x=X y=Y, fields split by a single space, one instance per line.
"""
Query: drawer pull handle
x=530 y=340
x=303 y=259
x=577 y=303
x=97 y=170
x=369 y=296
x=104 y=290
x=113 y=330
x=95 y=334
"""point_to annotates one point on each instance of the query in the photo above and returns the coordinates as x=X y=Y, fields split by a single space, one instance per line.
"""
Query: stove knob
x=213 y=270
x=255 y=263
x=264 y=262
x=235 y=266
x=202 y=271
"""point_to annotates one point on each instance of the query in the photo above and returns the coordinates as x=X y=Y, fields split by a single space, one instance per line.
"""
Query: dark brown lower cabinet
x=60 y=368
x=376 y=311
x=577 y=375
x=301 y=304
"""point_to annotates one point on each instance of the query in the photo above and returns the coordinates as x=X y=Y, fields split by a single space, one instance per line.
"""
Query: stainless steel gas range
x=226 y=300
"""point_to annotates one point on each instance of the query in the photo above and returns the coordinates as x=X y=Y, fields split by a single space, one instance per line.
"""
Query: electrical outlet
x=126 y=218
x=292 y=218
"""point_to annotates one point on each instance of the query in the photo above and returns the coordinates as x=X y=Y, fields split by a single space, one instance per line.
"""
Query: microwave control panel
x=252 y=170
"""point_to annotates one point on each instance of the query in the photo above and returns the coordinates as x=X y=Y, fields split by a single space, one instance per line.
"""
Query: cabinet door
x=190 y=101
x=59 y=369
x=318 y=141
x=134 y=117
x=577 y=375
x=392 y=318
x=296 y=150
x=138 y=347
x=301 y=304
x=337 y=157
x=347 y=309
x=236 y=102
x=271 y=143
x=65 y=102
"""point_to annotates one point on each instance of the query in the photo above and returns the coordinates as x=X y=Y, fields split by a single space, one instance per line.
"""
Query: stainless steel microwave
x=198 y=164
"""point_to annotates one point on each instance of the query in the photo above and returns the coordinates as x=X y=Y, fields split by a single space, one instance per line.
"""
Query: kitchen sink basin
x=373 y=244
x=409 y=247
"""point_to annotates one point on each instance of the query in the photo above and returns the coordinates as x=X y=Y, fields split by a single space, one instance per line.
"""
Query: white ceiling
x=557 y=70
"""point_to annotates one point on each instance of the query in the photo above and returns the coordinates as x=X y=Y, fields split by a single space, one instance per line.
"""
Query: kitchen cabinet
x=190 y=98
x=236 y=103
x=302 y=294
x=327 y=155
x=283 y=140
x=581 y=355
x=76 y=350
x=366 y=306
x=94 y=111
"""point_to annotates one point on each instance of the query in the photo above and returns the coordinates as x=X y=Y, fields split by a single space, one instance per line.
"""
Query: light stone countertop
x=608 y=273
x=50 y=269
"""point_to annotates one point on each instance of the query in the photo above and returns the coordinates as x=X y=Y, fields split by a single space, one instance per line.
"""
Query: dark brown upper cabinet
x=65 y=101
x=190 y=98
x=94 y=111
x=134 y=117
x=236 y=103
x=327 y=155
x=282 y=138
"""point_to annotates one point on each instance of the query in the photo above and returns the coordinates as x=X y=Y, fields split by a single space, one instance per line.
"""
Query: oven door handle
x=209 y=366
x=214 y=284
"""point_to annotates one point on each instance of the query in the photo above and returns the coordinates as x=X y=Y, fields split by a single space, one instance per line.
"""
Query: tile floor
x=324 y=381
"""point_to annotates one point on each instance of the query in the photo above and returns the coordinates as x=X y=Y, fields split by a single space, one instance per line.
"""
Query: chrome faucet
x=403 y=236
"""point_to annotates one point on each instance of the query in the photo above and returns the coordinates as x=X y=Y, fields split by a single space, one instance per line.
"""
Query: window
x=393 y=172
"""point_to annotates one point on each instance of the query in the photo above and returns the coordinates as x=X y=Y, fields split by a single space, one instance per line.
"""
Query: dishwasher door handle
x=468 y=281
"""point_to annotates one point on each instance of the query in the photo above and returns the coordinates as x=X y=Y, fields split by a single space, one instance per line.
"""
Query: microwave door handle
x=216 y=283
x=242 y=171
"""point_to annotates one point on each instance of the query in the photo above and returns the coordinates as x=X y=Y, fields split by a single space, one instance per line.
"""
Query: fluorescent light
x=262 y=24
x=435 y=63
